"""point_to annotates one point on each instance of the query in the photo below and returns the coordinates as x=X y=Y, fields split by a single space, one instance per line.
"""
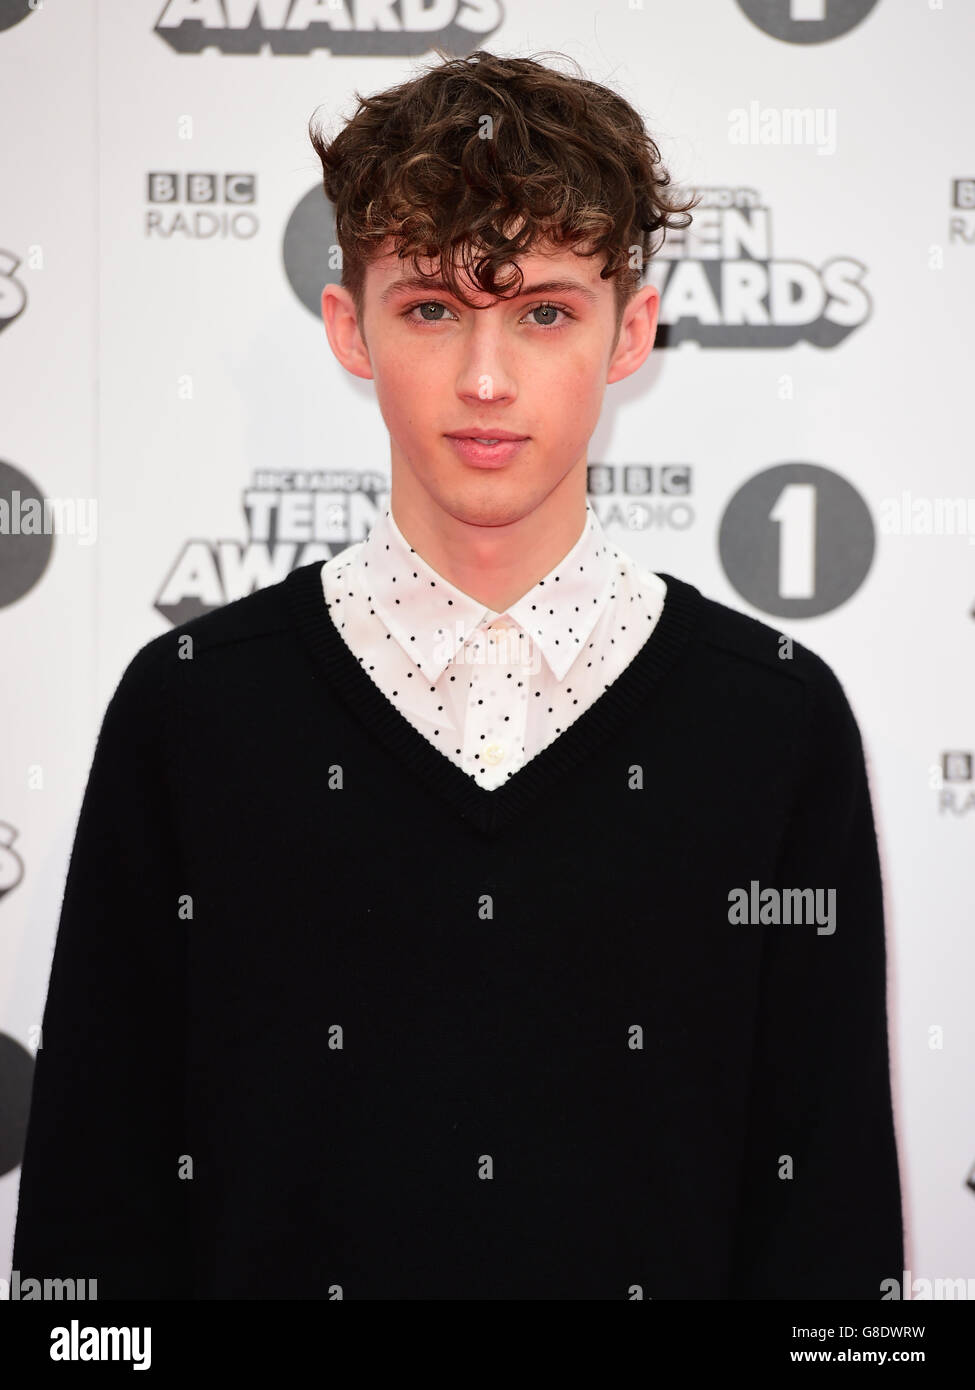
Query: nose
x=485 y=372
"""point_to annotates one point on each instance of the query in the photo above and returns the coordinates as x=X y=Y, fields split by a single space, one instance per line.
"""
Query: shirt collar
x=431 y=619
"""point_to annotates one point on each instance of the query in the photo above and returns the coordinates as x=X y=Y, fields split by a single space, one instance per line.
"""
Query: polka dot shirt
x=490 y=690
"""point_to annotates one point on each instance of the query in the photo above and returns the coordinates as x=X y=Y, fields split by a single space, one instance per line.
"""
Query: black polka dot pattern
x=490 y=690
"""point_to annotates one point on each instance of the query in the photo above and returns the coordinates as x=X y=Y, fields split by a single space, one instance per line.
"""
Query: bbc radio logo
x=641 y=496
x=962 y=228
x=954 y=785
x=201 y=206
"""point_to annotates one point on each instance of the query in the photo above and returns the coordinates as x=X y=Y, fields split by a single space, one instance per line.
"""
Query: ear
x=638 y=330
x=345 y=340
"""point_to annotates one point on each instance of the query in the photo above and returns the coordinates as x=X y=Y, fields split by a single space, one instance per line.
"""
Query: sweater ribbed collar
x=630 y=696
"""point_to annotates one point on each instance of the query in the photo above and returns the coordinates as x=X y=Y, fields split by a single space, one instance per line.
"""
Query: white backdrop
x=167 y=386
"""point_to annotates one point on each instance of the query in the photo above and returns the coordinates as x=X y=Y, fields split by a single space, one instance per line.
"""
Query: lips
x=470 y=448
x=486 y=433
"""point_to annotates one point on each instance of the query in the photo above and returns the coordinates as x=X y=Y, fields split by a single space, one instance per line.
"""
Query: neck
x=495 y=551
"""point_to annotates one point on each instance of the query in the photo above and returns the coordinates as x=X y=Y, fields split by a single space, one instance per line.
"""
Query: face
x=536 y=366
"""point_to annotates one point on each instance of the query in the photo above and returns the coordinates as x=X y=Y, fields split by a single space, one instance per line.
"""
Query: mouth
x=487 y=451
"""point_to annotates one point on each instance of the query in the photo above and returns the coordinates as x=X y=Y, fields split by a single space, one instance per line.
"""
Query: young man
x=420 y=935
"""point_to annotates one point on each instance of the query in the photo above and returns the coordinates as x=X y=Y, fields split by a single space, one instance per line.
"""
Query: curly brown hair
x=474 y=148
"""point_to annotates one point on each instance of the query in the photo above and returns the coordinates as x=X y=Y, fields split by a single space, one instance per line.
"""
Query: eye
x=543 y=307
x=548 y=308
x=425 y=304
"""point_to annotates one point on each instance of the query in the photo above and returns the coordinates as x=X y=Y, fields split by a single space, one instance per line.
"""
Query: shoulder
x=222 y=642
x=752 y=660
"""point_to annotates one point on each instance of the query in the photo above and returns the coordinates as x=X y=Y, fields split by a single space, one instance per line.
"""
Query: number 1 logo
x=796 y=540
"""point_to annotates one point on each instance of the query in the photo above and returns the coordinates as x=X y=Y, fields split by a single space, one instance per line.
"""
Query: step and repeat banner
x=175 y=432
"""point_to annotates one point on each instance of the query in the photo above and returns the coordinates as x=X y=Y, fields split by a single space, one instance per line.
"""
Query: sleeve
x=101 y=1195
x=820 y=1210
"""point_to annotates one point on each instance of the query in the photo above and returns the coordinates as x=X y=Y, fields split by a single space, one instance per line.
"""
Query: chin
x=482 y=509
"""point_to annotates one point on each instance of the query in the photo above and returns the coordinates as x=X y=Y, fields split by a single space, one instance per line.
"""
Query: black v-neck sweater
x=326 y=1019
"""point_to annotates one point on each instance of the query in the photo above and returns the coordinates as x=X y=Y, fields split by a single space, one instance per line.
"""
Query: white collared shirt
x=491 y=690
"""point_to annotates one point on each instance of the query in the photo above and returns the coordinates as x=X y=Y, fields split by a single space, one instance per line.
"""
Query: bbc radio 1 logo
x=797 y=540
x=16 y=1084
x=720 y=285
x=954 y=781
x=13 y=11
x=806 y=21
x=961 y=226
x=29 y=522
x=345 y=28
x=292 y=519
x=201 y=206
x=642 y=496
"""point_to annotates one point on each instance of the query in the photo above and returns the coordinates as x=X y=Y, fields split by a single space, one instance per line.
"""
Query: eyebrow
x=417 y=282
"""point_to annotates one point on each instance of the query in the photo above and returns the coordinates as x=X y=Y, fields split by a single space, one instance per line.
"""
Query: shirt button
x=493 y=753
